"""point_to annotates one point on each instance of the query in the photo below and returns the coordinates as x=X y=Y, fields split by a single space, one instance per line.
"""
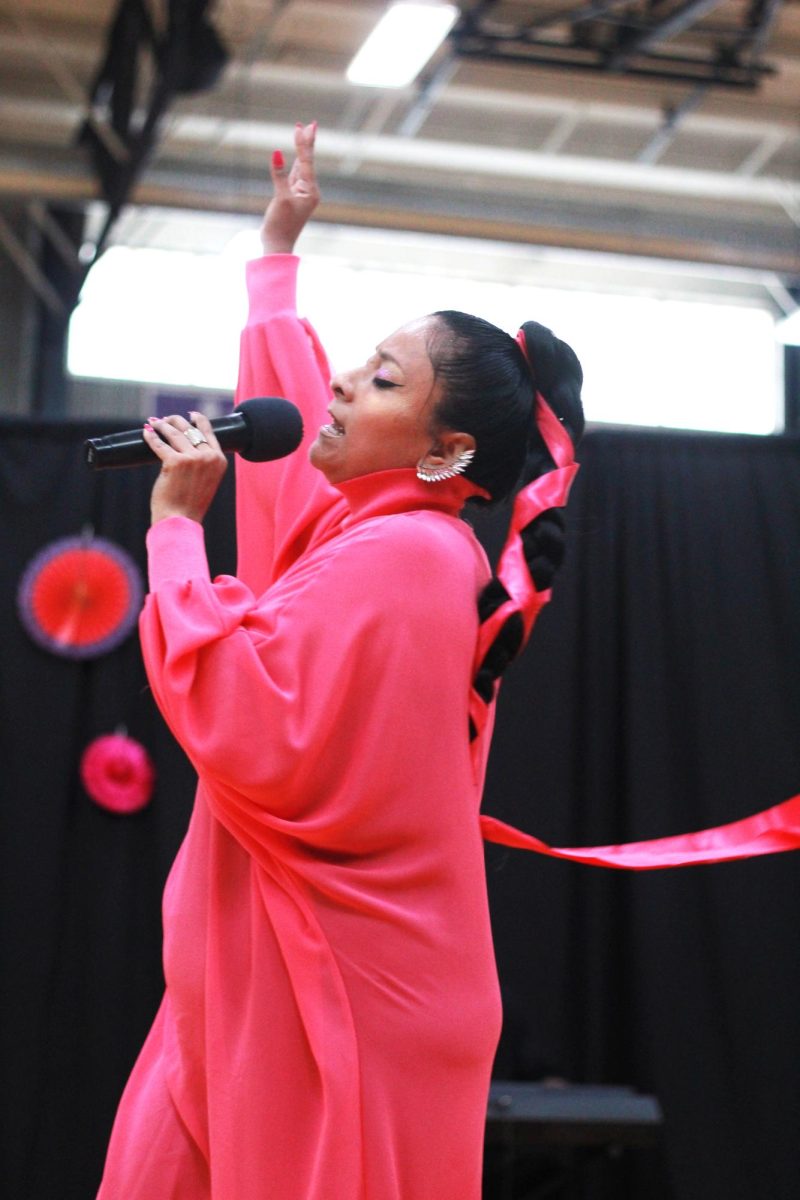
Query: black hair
x=488 y=390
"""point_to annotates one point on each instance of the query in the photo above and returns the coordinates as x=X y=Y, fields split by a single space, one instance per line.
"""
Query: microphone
x=259 y=430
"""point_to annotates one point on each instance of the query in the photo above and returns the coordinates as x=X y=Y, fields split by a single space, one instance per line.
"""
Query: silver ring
x=195 y=436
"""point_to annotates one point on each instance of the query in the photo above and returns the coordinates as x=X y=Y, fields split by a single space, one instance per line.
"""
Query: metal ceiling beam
x=670 y=67
x=678 y=20
x=673 y=119
x=242 y=84
x=573 y=220
x=490 y=162
x=53 y=126
x=196 y=143
x=760 y=20
x=575 y=16
x=763 y=152
x=618 y=44
x=27 y=265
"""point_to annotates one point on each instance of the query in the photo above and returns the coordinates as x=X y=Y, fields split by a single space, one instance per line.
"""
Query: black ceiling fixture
x=637 y=38
x=154 y=53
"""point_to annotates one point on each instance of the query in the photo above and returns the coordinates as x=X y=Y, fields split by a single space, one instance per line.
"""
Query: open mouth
x=334 y=430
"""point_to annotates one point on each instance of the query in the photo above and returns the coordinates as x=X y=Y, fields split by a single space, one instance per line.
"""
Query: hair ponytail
x=507 y=394
x=557 y=377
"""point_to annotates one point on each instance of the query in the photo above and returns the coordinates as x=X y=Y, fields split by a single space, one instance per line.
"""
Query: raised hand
x=192 y=466
x=295 y=194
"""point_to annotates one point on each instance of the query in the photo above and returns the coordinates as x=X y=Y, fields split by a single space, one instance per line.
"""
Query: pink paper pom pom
x=118 y=773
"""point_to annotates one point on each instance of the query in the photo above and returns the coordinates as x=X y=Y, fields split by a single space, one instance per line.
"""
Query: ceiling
x=612 y=157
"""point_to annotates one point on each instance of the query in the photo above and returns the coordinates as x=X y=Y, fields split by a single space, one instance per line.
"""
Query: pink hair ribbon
x=550 y=490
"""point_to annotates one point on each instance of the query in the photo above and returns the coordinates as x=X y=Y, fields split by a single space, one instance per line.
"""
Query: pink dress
x=331 y=1009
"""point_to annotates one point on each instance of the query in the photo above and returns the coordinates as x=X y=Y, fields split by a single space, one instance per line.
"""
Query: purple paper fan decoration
x=80 y=597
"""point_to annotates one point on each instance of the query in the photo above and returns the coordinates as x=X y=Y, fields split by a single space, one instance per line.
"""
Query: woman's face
x=382 y=414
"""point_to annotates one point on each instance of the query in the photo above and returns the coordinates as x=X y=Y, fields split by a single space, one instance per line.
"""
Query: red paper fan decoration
x=80 y=597
x=117 y=773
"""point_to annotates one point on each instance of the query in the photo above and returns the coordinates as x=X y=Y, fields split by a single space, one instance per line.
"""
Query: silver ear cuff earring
x=429 y=474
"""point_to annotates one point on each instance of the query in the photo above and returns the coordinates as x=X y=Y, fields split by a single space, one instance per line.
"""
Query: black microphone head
x=275 y=425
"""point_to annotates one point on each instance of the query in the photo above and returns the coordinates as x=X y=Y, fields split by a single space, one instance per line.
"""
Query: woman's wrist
x=163 y=514
x=275 y=245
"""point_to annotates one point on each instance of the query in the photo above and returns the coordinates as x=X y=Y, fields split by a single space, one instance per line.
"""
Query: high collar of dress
x=384 y=493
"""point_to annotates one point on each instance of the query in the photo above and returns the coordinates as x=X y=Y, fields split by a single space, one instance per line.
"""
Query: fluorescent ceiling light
x=788 y=329
x=401 y=43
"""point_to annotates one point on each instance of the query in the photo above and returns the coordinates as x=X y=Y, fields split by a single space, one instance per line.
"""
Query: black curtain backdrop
x=660 y=693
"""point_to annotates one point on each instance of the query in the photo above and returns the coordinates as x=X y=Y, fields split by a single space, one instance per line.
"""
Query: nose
x=342 y=385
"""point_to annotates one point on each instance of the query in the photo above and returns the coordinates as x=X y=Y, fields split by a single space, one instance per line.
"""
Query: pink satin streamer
x=768 y=832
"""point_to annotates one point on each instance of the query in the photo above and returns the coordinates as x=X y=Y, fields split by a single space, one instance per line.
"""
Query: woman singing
x=331 y=1008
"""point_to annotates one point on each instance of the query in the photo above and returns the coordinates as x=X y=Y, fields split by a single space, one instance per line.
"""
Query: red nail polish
x=277 y=160
x=147 y=425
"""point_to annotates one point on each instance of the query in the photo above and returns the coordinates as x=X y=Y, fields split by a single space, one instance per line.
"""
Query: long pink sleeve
x=280 y=504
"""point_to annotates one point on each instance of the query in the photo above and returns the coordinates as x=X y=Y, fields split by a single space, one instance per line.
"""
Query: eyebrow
x=382 y=354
